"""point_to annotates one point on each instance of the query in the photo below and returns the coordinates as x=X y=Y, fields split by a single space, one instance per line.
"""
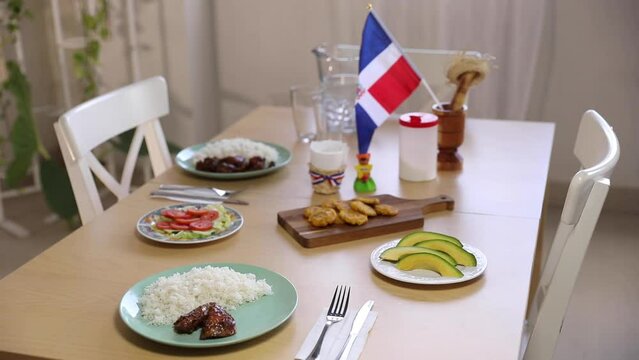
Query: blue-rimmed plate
x=145 y=226
x=252 y=319
x=426 y=277
x=184 y=160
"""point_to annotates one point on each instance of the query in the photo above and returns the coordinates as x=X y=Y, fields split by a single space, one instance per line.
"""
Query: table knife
x=358 y=323
x=177 y=196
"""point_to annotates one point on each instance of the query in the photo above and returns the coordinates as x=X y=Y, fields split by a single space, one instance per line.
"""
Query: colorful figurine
x=364 y=183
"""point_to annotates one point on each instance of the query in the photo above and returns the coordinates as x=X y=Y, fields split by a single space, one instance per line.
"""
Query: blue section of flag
x=374 y=41
x=365 y=129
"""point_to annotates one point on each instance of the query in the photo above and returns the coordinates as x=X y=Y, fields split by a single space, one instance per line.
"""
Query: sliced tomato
x=176 y=226
x=196 y=212
x=186 y=221
x=164 y=225
x=175 y=214
x=211 y=215
x=201 y=225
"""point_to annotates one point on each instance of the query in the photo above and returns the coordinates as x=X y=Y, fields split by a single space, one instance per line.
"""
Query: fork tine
x=338 y=303
x=348 y=297
x=330 y=308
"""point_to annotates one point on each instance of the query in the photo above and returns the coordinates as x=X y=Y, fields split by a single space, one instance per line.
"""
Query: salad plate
x=228 y=222
x=184 y=159
x=252 y=319
x=426 y=277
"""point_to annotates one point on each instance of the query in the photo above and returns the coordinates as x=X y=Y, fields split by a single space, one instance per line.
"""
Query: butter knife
x=195 y=198
x=358 y=323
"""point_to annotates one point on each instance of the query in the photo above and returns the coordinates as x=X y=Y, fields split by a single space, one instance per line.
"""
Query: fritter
x=352 y=217
x=368 y=200
x=323 y=217
x=386 y=210
x=362 y=208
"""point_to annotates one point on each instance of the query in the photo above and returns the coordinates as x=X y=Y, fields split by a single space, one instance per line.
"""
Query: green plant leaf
x=93 y=50
x=89 y=22
x=104 y=33
x=18 y=85
x=24 y=145
x=23 y=136
x=57 y=189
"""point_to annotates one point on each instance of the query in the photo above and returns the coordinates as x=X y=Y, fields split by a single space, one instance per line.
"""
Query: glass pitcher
x=336 y=59
x=337 y=67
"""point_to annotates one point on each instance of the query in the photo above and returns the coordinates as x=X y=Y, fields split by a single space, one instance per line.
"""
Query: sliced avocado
x=460 y=255
x=395 y=253
x=428 y=262
x=419 y=236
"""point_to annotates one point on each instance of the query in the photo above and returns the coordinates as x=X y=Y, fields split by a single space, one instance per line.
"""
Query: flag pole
x=410 y=62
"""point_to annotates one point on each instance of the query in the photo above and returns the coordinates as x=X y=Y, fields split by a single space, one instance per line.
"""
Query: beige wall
x=591 y=61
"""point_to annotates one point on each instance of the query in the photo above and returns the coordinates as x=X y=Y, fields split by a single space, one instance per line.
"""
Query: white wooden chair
x=597 y=149
x=92 y=123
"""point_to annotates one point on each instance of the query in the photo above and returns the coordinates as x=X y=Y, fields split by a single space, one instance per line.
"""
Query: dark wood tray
x=411 y=216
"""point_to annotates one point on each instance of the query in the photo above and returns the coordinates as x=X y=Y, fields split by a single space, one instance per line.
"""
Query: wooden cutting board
x=411 y=216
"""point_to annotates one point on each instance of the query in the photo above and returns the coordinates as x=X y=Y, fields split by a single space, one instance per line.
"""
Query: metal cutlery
x=358 y=323
x=336 y=313
x=187 y=197
x=217 y=191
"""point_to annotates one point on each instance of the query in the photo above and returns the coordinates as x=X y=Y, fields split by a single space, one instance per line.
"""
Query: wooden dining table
x=64 y=303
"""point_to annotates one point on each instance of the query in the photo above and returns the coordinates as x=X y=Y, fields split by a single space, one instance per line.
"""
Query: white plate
x=145 y=229
x=426 y=277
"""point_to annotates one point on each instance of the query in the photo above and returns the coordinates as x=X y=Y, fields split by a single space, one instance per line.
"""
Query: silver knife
x=181 y=196
x=358 y=323
x=184 y=187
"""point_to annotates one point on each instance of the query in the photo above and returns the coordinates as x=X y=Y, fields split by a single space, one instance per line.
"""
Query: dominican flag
x=386 y=79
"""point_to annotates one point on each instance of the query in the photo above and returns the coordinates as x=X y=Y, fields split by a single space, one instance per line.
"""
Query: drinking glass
x=306 y=103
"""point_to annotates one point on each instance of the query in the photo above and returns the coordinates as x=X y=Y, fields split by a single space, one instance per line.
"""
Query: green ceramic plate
x=252 y=319
x=184 y=160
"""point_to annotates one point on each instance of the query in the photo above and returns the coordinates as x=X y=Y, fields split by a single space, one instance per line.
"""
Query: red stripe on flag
x=395 y=86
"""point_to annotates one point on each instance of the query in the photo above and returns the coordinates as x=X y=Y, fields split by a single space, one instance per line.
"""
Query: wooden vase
x=450 y=136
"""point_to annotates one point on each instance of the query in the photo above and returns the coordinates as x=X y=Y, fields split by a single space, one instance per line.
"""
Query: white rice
x=236 y=147
x=165 y=300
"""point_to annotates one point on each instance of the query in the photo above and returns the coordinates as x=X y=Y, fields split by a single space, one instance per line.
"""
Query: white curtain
x=509 y=30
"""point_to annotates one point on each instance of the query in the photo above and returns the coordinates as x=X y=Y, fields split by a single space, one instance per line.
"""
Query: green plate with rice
x=252 y=319
x=184 y=159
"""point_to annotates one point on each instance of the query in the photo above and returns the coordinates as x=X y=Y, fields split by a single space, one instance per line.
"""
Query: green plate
x=252 y=319
x=184 y=160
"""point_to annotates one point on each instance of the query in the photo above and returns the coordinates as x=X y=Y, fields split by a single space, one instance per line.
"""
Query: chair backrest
x=597 y=149
x=88 y=125
x=432 y=65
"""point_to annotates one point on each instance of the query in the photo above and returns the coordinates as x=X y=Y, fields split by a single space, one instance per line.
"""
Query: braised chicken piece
x=188 y=323
x=256 y=163
x=218 y=323
x=207 y=164
x=232 y=164
x=238 y=163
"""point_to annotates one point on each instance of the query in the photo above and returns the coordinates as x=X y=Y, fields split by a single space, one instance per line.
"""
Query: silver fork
x=336 y=313
x=218 y=191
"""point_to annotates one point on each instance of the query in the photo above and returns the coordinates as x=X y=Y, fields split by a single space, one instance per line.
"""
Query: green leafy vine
x=24 y=135
x=85 y=60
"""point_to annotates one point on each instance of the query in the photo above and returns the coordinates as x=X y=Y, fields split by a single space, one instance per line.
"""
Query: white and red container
x=418 y=146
